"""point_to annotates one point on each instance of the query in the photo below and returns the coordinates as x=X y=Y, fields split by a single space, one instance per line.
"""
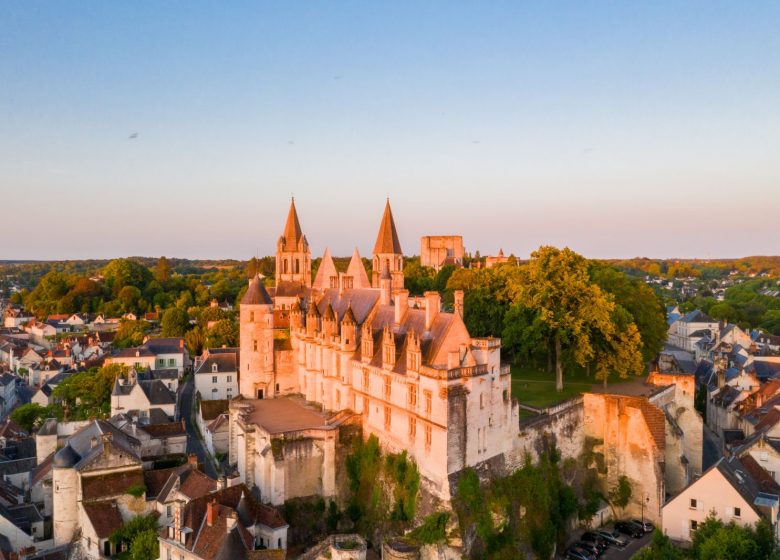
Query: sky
x=619 y=129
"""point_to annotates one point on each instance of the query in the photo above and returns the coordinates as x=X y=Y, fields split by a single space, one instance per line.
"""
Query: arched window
x=285 y=266
x=297 y=266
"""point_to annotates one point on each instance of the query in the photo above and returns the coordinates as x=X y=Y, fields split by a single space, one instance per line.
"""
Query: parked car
x=630 y=529
x=594 y=538
x=613 y=538
x=578 y=553
x=590 y=547
x=646 y=526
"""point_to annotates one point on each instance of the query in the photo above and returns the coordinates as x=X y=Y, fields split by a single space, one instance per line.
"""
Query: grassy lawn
x=537 y=387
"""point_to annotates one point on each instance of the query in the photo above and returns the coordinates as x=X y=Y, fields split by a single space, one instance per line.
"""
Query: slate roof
x=256 y=294
x=156 y=480
x=226 y=363
x=697 y=316
x=104 y=517
x=11 y=430
x=17 y=466
x=387 y=239
x=170 y=345
x=79 y=451
x=43 y=469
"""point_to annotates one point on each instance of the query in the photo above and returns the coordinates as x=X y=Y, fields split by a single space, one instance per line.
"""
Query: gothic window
x=428 y=402
x=297 y=266
x=285 y=266
x=388 y=382
x=428 y=438
x=412 y=397
x=388 y=417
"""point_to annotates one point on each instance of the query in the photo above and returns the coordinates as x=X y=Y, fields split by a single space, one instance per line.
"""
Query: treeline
x=699 y=268
x=744 y=305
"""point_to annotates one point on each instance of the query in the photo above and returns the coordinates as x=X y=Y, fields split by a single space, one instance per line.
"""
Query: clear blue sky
x=616 y=128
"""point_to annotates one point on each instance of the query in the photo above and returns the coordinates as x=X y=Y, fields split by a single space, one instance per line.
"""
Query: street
x=194 y=444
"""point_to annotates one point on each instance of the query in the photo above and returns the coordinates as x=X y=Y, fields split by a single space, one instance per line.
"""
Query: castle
x=363 y=352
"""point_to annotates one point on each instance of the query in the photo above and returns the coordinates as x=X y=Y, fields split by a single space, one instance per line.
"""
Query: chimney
x=181 y=343
x=192 y=460
x=401 y=305
x=458 y=302
x=106 y=437
x=211 y=512
x=432 y=306
x=177 y=517
x=221 y=483
x=93 y=442
x=231 y=521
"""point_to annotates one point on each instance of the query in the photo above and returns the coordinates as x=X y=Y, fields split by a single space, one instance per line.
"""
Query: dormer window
x=214 y=368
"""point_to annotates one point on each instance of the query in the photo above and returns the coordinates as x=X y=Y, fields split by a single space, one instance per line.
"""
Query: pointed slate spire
x=325 y=272
x=292 y=230
x=358 y=272
x=256 y=294
x=387 y=240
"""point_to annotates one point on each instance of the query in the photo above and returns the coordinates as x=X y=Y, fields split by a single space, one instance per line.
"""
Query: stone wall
x=560 y=425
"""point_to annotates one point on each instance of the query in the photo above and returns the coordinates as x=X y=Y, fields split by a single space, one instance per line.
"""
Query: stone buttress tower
x=387 y=252
x=256 y=323
x=293 y=257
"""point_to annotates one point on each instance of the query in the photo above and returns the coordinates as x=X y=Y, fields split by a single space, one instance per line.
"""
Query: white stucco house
x=216 y=377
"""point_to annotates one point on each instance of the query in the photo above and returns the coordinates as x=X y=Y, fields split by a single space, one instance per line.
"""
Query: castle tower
x=293 y=258
x=256 y=324
x=387 y=252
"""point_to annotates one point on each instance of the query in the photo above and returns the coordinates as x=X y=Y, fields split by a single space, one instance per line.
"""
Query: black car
x=590 y=547
x=574 y=554
x=594 y=538
x=580 y=553
x=646 y=526
x=613 y=538
x=630 y=529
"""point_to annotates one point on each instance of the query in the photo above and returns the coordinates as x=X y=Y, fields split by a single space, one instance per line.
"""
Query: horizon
x=185 y=128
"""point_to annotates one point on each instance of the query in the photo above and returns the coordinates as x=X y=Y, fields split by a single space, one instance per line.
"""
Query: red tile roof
x=114 y=484
x=104 y=516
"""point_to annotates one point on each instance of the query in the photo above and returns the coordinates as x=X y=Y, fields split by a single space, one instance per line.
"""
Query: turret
x=385 y=287
x=413 y=353
x=312 y=320
x=296 y=316
x=329 y=326
x=256 y=324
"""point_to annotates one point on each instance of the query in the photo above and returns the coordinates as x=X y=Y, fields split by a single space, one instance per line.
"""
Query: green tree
x=130 y=333
x=125 y=272
x=660 y=549
x=162 y=271
x=129 y=296
x=195 y=339
x=555 y=285
x=618 y=349
x=145 y=546
x=222 y=333
x=29 y=415
x=175 y=322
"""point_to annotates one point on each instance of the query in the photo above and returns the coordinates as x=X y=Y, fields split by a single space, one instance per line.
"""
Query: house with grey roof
x=216 y=376
x=139 y=397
